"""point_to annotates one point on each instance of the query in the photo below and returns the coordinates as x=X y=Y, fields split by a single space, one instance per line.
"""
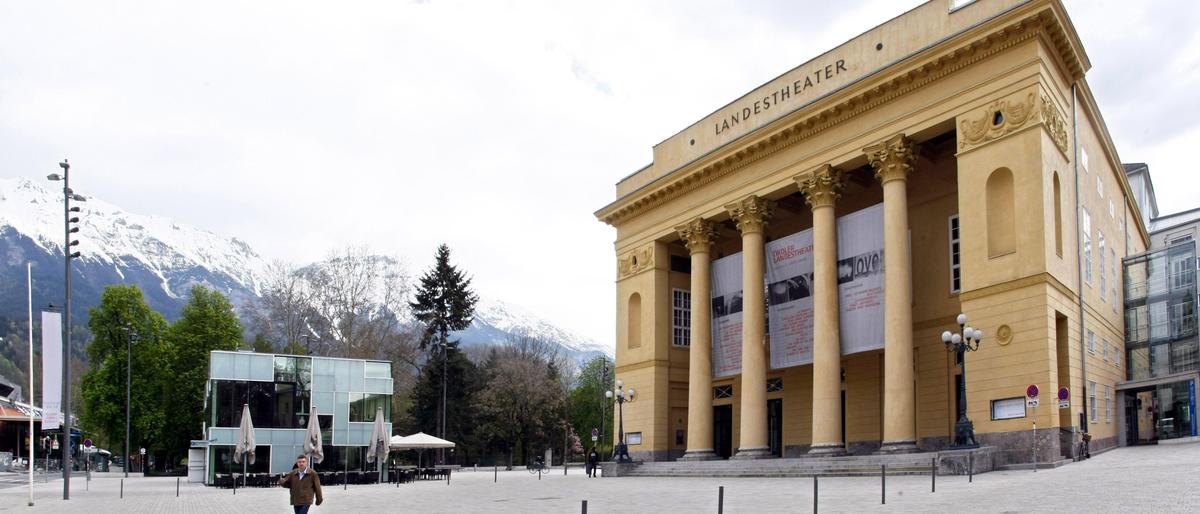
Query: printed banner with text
x=727 y=316
x=789 y=299
x=860 y=279
x=51 y=370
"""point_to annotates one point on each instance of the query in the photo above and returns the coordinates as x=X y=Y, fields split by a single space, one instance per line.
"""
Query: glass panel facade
x=1160 y=312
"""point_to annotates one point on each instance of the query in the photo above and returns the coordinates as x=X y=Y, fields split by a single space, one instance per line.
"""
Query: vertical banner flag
x=51 y=370
x=860 y=279
x=726 y=299
x=789 y=299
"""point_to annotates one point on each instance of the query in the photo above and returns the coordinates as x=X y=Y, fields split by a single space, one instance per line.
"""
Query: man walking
x=304 y=485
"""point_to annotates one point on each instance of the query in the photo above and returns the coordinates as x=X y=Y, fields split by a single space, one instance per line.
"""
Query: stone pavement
x=1156 y=479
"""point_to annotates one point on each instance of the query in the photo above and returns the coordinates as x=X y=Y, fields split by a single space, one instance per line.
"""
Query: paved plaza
x=1155 y=479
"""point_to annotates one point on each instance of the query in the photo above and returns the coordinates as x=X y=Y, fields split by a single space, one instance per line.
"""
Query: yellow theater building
x=951 y=160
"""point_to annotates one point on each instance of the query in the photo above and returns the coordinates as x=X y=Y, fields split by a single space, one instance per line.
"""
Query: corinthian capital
x=751 y=213
x=822 y=187
x=893 y=158
x=698 y=235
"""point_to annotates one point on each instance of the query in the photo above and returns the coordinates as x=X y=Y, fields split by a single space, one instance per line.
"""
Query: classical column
x=893 y=161
x=821 y=189
x=699 y=236
x=752 y=215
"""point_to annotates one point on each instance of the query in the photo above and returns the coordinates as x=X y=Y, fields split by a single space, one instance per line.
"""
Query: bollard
x=933 y=474
x=234 y=485
x=495 y=473
x=970 y=467
x=883 y=484
x=448 y=473
x=815 y=494
x=584 y=507
x=721 y=500
x=345 y=479
x=122 y=488
x=176 y=487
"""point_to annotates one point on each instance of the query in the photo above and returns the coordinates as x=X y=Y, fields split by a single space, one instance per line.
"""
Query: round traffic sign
x=595 y=432
x=87 y=443
x=1031 y=391
x=142 y=451
x=1064 y=394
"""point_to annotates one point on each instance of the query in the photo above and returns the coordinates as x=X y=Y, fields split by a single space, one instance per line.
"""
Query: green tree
x=207 y=323
x=463 y=382
x=443 y=303
x=262 y=345
x=587 y=399
x=104 y=384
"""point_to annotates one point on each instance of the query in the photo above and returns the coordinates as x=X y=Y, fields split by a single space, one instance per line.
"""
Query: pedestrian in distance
x=304 y=486
x=593 y=459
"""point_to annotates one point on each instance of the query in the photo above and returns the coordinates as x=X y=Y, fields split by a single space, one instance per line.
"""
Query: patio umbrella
x=419 y=441
x=312 y=439
x=245 y=444
x=379 y=442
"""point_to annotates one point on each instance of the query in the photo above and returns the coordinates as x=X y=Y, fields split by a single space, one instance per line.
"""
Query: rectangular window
x=1099 y=186
x=774 y=384
x=1087 y=247
x=1104 y=343
x=363 y=407
x=1091 y=341
x=955 y=265
x=1092 y=399
x=1103 y=272
x=681 y=318
x=1108 y=404
x=1114 y=268
x=1117 y=356
x=722 y=391
x=1112 y=210
x=1083 y=158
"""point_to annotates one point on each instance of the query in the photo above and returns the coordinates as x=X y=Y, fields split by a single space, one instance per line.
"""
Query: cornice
x=805 y=123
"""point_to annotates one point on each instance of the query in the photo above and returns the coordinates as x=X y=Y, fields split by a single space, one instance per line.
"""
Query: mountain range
x=165 y=259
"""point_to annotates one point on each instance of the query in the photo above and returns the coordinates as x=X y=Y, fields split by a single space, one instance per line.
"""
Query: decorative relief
x=1006 y=116
x=823 y=187
x=893 y=158
x=636 y=261
x=1004 y=335
x=698 y=235
x=751 y=214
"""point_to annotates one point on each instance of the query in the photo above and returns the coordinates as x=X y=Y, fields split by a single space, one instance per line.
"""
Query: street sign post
x=1032 y=393
x=1064 y=398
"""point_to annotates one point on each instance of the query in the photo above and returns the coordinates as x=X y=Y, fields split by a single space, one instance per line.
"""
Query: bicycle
x=539 y=467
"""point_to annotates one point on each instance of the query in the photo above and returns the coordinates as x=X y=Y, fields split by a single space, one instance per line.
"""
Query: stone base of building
x=968 y=461
x=693 y=455
x=895 y=447
x=826 y=450
x=753 y=453
x=864 y=447
x=652 y=455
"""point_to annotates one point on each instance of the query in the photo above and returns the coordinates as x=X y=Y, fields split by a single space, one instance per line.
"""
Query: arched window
x=1058 y=244
x=1001 y=226
x=634 y=315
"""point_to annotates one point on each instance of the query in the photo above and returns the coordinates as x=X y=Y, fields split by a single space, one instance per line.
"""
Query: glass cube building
x=279 y=390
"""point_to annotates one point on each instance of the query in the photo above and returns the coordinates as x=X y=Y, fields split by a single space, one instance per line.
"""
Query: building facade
x=951 y=160
x=279 y=390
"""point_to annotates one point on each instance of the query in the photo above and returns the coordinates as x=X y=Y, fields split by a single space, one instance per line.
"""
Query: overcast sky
x=495 y=127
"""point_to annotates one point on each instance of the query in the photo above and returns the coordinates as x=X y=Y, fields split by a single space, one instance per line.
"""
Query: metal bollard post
x=970 y=467
x=883 y=484
x=815 y=494
x=122 y=488
x=720 y=500
x=345 y=479
x=234 y=484
x=584 y=507
x=933 y=474
x=176 y=487
x=495 y=473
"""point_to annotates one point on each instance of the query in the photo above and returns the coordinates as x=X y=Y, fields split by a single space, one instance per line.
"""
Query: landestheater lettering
x=784 y=94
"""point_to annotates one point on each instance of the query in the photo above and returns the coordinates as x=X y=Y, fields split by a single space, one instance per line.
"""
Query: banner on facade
x=726 y=297
x=860 y=280
x=789 y=299
x=51 y=370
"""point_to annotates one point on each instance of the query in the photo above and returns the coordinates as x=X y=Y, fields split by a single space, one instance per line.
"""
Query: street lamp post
x=603 y=405
x=966 y=340
x=621 y=452
x=130 y=335
x=68 y=229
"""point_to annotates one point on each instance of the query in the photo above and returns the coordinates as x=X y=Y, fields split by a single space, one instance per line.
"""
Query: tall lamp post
x=966 y=340
x=603 y=405
x=621 y=453
x=70 y=226
x=130 y=335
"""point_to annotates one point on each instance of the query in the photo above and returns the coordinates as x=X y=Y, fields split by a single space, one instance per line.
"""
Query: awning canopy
x=419 y=440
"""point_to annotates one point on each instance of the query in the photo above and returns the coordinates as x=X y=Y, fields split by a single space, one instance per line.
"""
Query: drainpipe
x=1079 y=253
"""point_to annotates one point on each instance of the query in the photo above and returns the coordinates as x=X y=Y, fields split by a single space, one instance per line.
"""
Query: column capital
x=892 y=158
x=698 y=235
x=751 y=213
x=822 y=187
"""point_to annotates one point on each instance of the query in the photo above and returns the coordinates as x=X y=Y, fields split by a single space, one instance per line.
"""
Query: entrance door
x=775 y=426
x=1146 y=418
x=723 y=430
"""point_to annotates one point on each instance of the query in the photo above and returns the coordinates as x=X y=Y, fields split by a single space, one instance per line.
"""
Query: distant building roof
x=1143 y=169
x=1174 y=220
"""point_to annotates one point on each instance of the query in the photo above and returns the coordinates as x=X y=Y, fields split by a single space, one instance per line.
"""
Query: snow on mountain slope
x=513 y=319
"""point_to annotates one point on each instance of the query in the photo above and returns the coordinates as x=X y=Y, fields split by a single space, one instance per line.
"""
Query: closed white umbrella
x=245 y=443
x=312 y=439
x=379 y=442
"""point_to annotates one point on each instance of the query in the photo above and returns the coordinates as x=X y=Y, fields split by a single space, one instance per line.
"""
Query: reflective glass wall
x=1160 y=312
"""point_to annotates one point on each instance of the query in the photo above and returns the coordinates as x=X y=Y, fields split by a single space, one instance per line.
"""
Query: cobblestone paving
x=1156 y=479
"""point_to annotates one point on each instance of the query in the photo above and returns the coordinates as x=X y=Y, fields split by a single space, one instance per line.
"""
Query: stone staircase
x=858 y=465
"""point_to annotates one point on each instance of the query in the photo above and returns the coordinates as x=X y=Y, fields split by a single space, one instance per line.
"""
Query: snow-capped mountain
x=165 y=259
